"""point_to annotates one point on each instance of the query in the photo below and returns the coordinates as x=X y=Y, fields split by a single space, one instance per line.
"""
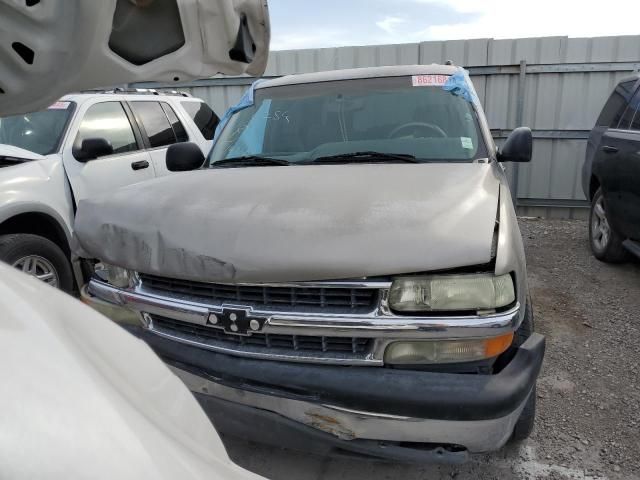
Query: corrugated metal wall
x=559 y=93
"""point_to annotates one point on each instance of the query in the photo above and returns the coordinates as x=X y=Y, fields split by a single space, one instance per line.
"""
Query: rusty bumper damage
x=418 y=416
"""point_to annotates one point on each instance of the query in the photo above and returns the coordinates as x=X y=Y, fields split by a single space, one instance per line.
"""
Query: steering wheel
x=419 y=125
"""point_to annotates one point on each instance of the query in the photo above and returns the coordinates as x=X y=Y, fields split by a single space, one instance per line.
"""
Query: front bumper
x=366 y=409
x=361 y=406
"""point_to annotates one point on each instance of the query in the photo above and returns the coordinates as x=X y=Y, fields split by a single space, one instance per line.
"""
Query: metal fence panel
x=567 y=81
x=316 y=60
x=220 y=98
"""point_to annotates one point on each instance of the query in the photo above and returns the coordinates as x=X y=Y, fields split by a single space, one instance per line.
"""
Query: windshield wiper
x=367 y=157
x=249 y=161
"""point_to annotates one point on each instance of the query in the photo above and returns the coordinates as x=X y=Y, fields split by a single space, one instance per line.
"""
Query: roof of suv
x=633 y=76
x=360 y=73
x=130 y=96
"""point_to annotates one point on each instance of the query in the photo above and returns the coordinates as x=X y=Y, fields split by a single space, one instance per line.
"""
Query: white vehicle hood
x=298 y=223
x=82 y=398
x=54 y=47
x=18 y=153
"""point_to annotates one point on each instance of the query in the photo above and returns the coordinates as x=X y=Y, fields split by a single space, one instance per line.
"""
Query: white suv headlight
x=451 y=293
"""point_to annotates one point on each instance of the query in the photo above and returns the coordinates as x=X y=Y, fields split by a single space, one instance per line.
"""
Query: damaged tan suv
x=346 y=273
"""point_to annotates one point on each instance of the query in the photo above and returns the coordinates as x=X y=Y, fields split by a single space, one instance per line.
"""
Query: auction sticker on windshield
x=429 y=80
x=59 y=106
x=467 y=143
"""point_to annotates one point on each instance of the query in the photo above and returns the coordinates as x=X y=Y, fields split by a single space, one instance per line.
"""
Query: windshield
x=301 y=123
x=38 y=132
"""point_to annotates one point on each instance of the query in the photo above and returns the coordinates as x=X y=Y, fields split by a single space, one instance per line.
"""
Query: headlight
x=451 y=293
x=116 y=276
x=446 y=351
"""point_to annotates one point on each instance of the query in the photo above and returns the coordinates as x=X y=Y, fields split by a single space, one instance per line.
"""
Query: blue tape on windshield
x=460 y=84
x=245 y=102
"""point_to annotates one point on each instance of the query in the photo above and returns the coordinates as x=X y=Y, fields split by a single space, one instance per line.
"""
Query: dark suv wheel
x=606 y=244
x=38 y=257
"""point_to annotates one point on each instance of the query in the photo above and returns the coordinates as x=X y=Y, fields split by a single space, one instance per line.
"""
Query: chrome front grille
x=349 y=300
x=291 y=334
x=272 y=342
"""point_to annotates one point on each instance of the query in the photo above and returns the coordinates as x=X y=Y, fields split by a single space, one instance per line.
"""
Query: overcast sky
x=330 y=23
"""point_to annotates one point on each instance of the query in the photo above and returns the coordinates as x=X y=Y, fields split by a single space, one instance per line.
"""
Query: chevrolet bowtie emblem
x=236 y=321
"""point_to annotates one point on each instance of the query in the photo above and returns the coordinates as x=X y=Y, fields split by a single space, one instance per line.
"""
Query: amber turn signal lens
x=446 y=351
x=495 y=346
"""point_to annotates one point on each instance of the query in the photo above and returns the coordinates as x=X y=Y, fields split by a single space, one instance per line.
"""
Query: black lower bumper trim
x=269 y=428
x=427 y=395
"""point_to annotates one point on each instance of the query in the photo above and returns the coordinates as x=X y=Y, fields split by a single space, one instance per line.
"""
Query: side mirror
x=518 y=147
x=92 y=148
x=184 y=157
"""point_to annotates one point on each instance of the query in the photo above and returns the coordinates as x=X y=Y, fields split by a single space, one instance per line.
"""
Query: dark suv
x=611 y=175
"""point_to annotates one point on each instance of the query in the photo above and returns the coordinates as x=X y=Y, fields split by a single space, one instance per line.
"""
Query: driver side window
x=108 y=120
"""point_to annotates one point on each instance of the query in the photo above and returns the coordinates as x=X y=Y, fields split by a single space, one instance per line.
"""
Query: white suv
x=82 y=145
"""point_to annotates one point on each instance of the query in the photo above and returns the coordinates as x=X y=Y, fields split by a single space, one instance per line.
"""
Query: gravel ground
x=588 y=424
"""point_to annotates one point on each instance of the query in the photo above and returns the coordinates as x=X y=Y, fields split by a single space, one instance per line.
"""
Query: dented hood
x=298 y=223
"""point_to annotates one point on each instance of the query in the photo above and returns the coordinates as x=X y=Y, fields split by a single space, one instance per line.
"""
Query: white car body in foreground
x=82 y=398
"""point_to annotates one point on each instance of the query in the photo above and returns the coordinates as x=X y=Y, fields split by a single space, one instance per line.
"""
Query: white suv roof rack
x=137 y=91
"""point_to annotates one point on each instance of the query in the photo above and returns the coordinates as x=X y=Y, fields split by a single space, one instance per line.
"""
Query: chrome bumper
x=381 y=324
x=476 y=436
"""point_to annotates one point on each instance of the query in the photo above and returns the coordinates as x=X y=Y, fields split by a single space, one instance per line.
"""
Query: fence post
x=522 y=78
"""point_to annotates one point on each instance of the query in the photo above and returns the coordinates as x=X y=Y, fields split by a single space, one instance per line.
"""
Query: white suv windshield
x=38 y=132
x=301 y=123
